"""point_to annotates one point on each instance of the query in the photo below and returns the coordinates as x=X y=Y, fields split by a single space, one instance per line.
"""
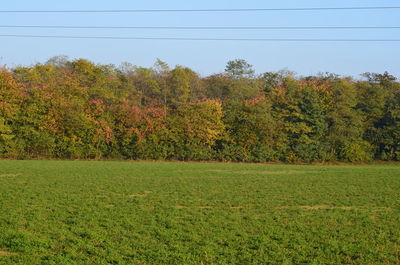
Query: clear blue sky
x=209 y=57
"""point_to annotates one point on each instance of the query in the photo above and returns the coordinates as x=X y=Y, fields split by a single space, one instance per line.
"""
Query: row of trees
x=81 y=110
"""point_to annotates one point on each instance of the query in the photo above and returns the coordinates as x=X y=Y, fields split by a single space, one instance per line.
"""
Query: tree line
x=75 y=109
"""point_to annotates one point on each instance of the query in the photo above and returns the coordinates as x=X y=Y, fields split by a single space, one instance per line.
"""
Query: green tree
x=251 y=134
x=239 y=68
x=346 y=124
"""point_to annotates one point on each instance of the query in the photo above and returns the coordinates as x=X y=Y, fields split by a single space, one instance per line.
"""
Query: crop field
x=75 y=212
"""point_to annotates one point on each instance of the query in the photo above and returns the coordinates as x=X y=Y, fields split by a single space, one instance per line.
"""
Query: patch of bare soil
x=286 y=172
x=194 y=207
x=5 y=253
x=327 y=207
x=10 y=175
x=145 y=193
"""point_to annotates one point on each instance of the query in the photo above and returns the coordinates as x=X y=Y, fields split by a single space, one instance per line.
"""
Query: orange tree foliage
x=81 y=110
x=11 y=97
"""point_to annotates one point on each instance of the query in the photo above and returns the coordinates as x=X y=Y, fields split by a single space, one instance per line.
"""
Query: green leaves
x=78 y=109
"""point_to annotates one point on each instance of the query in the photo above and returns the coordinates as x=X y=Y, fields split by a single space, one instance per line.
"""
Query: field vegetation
x=76 y=212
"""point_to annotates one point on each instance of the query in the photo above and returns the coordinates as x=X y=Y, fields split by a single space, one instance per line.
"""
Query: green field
x=72 y=212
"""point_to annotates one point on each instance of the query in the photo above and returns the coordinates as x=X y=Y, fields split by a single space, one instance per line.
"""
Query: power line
x=203 y=28
x=202 y=39
x=204 y=10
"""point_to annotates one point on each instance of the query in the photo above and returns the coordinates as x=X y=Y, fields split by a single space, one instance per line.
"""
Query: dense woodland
x=75 y=109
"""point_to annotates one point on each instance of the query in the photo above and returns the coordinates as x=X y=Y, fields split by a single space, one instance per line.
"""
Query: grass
x=72 y=212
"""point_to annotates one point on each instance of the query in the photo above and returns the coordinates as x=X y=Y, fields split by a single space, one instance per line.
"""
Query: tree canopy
x=76 y=109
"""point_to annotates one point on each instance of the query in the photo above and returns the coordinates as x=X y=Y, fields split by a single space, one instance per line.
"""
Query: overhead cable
x=201 y=39
x=204 y=10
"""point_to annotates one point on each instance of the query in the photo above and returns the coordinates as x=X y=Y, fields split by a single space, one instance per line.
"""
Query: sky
x=207 y=57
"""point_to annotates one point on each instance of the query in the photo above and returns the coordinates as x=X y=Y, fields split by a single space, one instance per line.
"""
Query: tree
x=11 y=98
x=79 y=109
x=251 y=134
x=180 y=82
x=239 y=68
x=346 y=124
x=194 y=130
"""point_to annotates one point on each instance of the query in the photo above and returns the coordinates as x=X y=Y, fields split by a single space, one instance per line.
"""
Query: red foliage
x=254 y=101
